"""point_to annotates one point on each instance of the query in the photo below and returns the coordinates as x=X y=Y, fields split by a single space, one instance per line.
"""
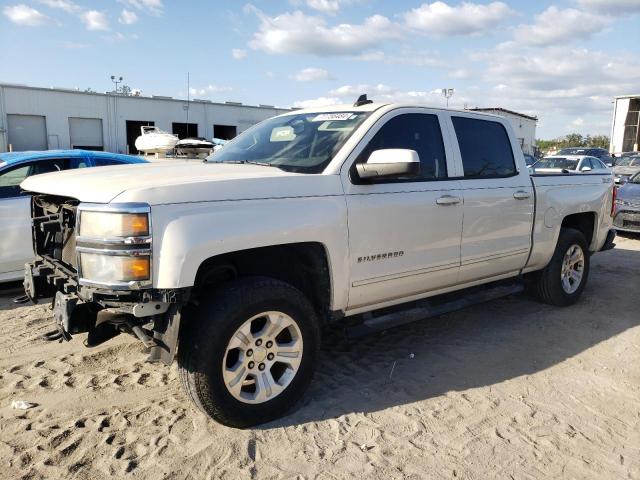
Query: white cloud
x=312 y=74
x=65 y=5
x=152 y=7
x=238 y=53
x=316 y=102
x=403 y=57
x=611 y=7
x=438 y=18
x=556 y=27
x=24 y=15
x=577 y=122
x=304 y=34
x=555 y=83
x=94 y=20
x=127 y=17
x=325 y=6
x=121 y=37
x=208 y=90
x=384 y=93
x=460 y=73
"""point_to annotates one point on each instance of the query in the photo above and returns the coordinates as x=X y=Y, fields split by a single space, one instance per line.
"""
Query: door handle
x=448 y=200
x=521 y=195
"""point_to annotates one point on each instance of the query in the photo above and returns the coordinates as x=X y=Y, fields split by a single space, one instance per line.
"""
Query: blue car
x=15 y=214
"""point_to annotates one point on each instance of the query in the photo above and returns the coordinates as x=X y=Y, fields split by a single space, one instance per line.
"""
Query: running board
x=431 y=307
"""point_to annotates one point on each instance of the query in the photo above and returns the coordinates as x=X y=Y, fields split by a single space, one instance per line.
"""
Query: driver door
x=404 y=233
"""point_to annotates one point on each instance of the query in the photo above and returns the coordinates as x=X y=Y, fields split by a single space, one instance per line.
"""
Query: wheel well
x=303 y=265
x=584 y=222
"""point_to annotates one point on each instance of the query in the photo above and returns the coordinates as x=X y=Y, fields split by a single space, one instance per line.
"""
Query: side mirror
x=390 y=162
x=585 y=169
x=609 y=165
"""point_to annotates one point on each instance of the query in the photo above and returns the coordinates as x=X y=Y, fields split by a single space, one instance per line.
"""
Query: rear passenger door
x=498 y=199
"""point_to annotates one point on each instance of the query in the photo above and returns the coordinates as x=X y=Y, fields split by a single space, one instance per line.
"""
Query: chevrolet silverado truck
x=364 y=214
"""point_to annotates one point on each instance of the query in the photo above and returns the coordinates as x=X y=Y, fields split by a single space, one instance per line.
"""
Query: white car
x=311 y=217
x=570 y=164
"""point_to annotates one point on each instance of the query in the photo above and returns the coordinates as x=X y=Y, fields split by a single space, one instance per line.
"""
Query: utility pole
x=116 y=80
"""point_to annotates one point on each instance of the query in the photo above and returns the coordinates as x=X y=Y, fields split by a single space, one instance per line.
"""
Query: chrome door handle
x=521 y=195
x=448 y=200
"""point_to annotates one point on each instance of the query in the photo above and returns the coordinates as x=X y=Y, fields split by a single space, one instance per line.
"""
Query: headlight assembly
x=104 y=225
x=114 y=246
x=115 y=269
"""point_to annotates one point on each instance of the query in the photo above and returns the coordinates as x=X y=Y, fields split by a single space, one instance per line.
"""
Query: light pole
x=448 y=93
x=116 y=80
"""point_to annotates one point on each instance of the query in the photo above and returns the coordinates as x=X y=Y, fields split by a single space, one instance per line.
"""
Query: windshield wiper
x=249 y=162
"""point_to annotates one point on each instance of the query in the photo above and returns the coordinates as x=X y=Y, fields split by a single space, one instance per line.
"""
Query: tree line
x=573 y=140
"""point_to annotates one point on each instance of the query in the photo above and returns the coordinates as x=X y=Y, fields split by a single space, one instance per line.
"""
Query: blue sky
x=562 y=61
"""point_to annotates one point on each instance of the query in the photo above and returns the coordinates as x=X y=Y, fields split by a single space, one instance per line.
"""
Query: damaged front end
x=95 y=261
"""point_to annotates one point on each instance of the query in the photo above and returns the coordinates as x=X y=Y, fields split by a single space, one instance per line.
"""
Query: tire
x=206 y=360
x=548 y=284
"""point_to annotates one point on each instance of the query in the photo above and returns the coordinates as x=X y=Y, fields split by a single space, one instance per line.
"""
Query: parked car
x=627 y=217
x=625 y=168
x=569 y=164
x=15 y=210
x=601 y=153
x=529 y=159
x=314 y=216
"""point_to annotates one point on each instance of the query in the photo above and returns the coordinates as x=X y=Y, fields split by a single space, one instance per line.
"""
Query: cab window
x=485 y=148
x=413 y=131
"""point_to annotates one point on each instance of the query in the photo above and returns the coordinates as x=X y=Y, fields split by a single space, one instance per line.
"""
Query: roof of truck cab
x=11 y=158
x=370 y=107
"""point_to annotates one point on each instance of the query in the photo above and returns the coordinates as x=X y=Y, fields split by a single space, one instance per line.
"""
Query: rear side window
x=414 y=131
x=105 y=162
x=485 y=148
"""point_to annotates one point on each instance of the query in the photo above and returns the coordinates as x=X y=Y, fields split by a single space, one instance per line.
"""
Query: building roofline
x=627 y=96
x=500 y=109
x=145 y=97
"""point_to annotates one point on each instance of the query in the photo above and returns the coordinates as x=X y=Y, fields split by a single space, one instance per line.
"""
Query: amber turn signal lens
x=136 y=268
x=135 y=224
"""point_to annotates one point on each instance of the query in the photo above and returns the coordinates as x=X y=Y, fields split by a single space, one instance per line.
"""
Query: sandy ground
x=511 y=389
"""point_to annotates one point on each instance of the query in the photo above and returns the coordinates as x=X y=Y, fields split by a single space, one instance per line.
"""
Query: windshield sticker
x=282 y=134
x=324 y=117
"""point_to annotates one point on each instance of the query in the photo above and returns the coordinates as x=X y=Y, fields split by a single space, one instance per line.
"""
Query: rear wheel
x=562 y=281
x=249 y=353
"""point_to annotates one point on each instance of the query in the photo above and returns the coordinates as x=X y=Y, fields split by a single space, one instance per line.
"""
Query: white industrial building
x=33 y=118
x=625 y=131
x=523 y=125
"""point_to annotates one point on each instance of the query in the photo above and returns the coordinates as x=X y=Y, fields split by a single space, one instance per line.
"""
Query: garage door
x=86 y=133
x=27 y=132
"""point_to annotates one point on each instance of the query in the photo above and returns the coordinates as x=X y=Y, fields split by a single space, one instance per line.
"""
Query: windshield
x=628 y=162
x=573 y=151
x=297 y=143
x=562 y=163
x=635 y=178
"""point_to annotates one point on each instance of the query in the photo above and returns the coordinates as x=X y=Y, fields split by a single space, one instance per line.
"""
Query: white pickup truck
x=362 y=214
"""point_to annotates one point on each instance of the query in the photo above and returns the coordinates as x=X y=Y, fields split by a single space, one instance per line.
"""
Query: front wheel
x=562 y=281
x=249 y=353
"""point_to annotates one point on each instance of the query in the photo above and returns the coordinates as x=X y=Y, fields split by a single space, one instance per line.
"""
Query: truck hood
x=180 y=182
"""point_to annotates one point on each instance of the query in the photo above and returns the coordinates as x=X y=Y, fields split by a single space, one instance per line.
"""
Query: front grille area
x=53 y=224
